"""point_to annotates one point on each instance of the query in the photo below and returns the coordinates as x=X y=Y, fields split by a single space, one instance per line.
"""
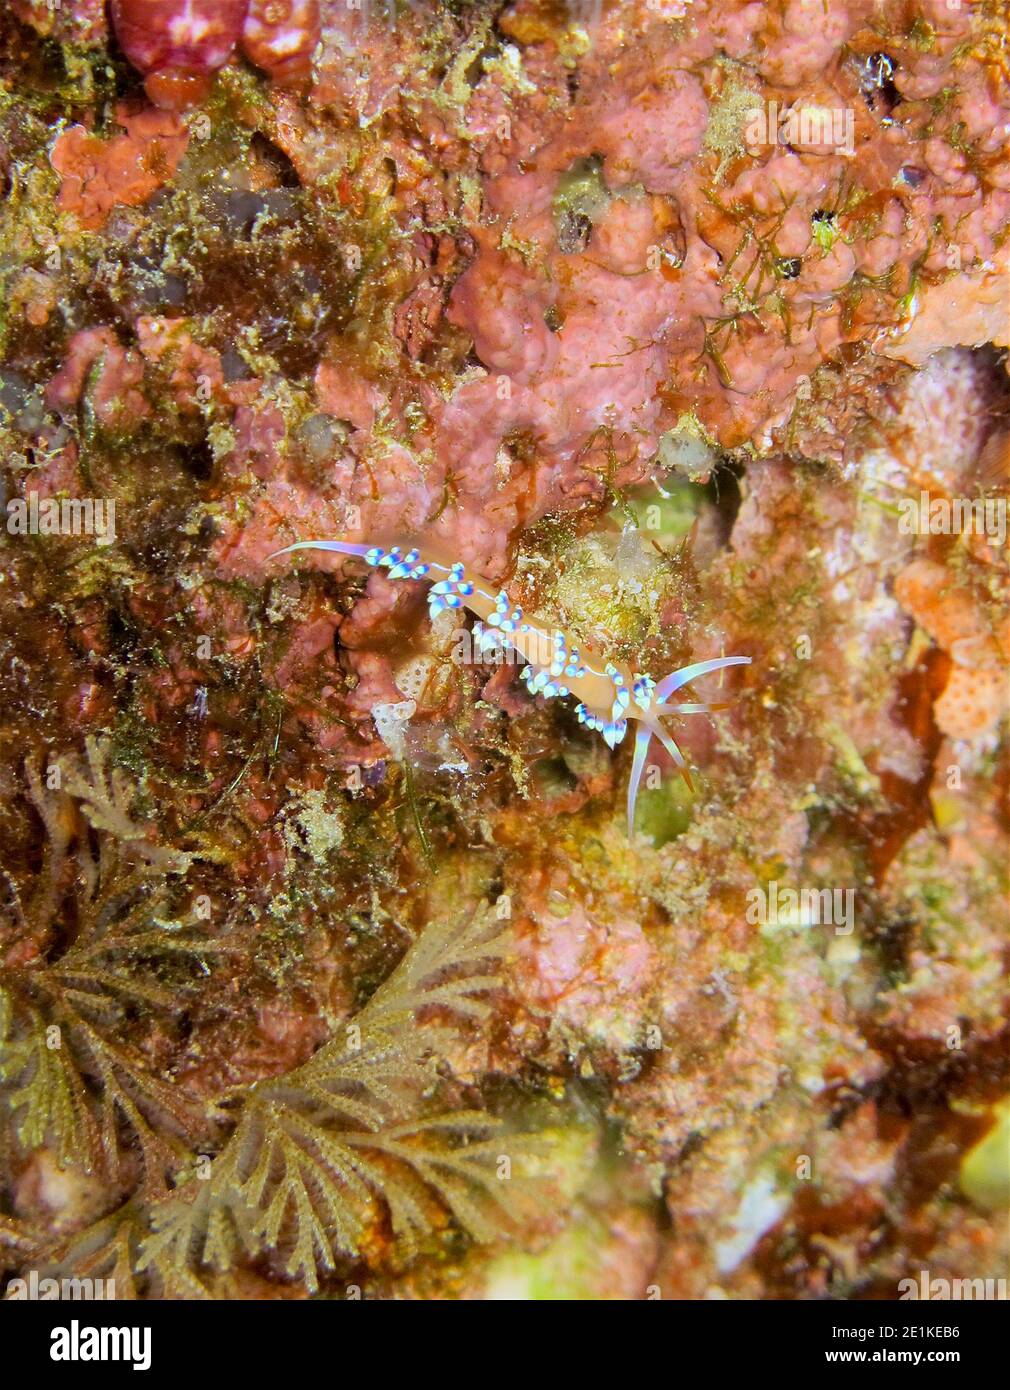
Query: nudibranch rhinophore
x=609 y=693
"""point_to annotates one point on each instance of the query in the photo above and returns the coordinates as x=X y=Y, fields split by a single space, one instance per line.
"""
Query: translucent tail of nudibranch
x=657 y=707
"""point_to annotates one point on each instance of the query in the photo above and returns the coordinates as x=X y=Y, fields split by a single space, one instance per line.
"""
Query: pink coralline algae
x=118 y=375
x=97 y=174
x=599 y=315
x=976 y=694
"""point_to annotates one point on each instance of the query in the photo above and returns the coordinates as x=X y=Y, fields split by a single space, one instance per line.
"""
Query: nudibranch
x=609 y=693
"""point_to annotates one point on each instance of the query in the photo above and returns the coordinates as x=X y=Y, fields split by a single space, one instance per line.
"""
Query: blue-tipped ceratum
x=608 y=693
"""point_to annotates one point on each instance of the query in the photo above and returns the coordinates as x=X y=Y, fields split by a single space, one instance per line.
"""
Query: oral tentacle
x=398 y=564
x=642 y=740
x=341 y=547
x=681 y=677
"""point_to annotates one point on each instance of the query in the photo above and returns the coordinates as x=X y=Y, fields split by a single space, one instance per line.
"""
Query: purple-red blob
x=179 y=44
x=280 y=37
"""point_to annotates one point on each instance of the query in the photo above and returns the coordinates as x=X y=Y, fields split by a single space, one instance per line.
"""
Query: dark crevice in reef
x=723 y=491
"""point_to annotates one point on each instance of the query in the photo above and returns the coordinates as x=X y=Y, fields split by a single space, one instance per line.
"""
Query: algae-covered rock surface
x=587 y=878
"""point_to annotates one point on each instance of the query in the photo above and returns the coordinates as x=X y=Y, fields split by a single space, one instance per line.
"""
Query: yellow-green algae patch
x=985 y=1170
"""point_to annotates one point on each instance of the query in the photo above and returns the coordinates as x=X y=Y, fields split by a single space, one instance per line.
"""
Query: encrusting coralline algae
x=672 y=324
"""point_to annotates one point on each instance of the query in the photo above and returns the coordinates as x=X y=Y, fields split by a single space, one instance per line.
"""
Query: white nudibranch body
x=609 y=694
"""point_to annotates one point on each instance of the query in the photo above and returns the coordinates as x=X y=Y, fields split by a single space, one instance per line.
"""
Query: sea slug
x=609 y=693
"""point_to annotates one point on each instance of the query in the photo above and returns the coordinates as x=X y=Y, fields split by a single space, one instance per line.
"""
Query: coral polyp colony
x=586 y=876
